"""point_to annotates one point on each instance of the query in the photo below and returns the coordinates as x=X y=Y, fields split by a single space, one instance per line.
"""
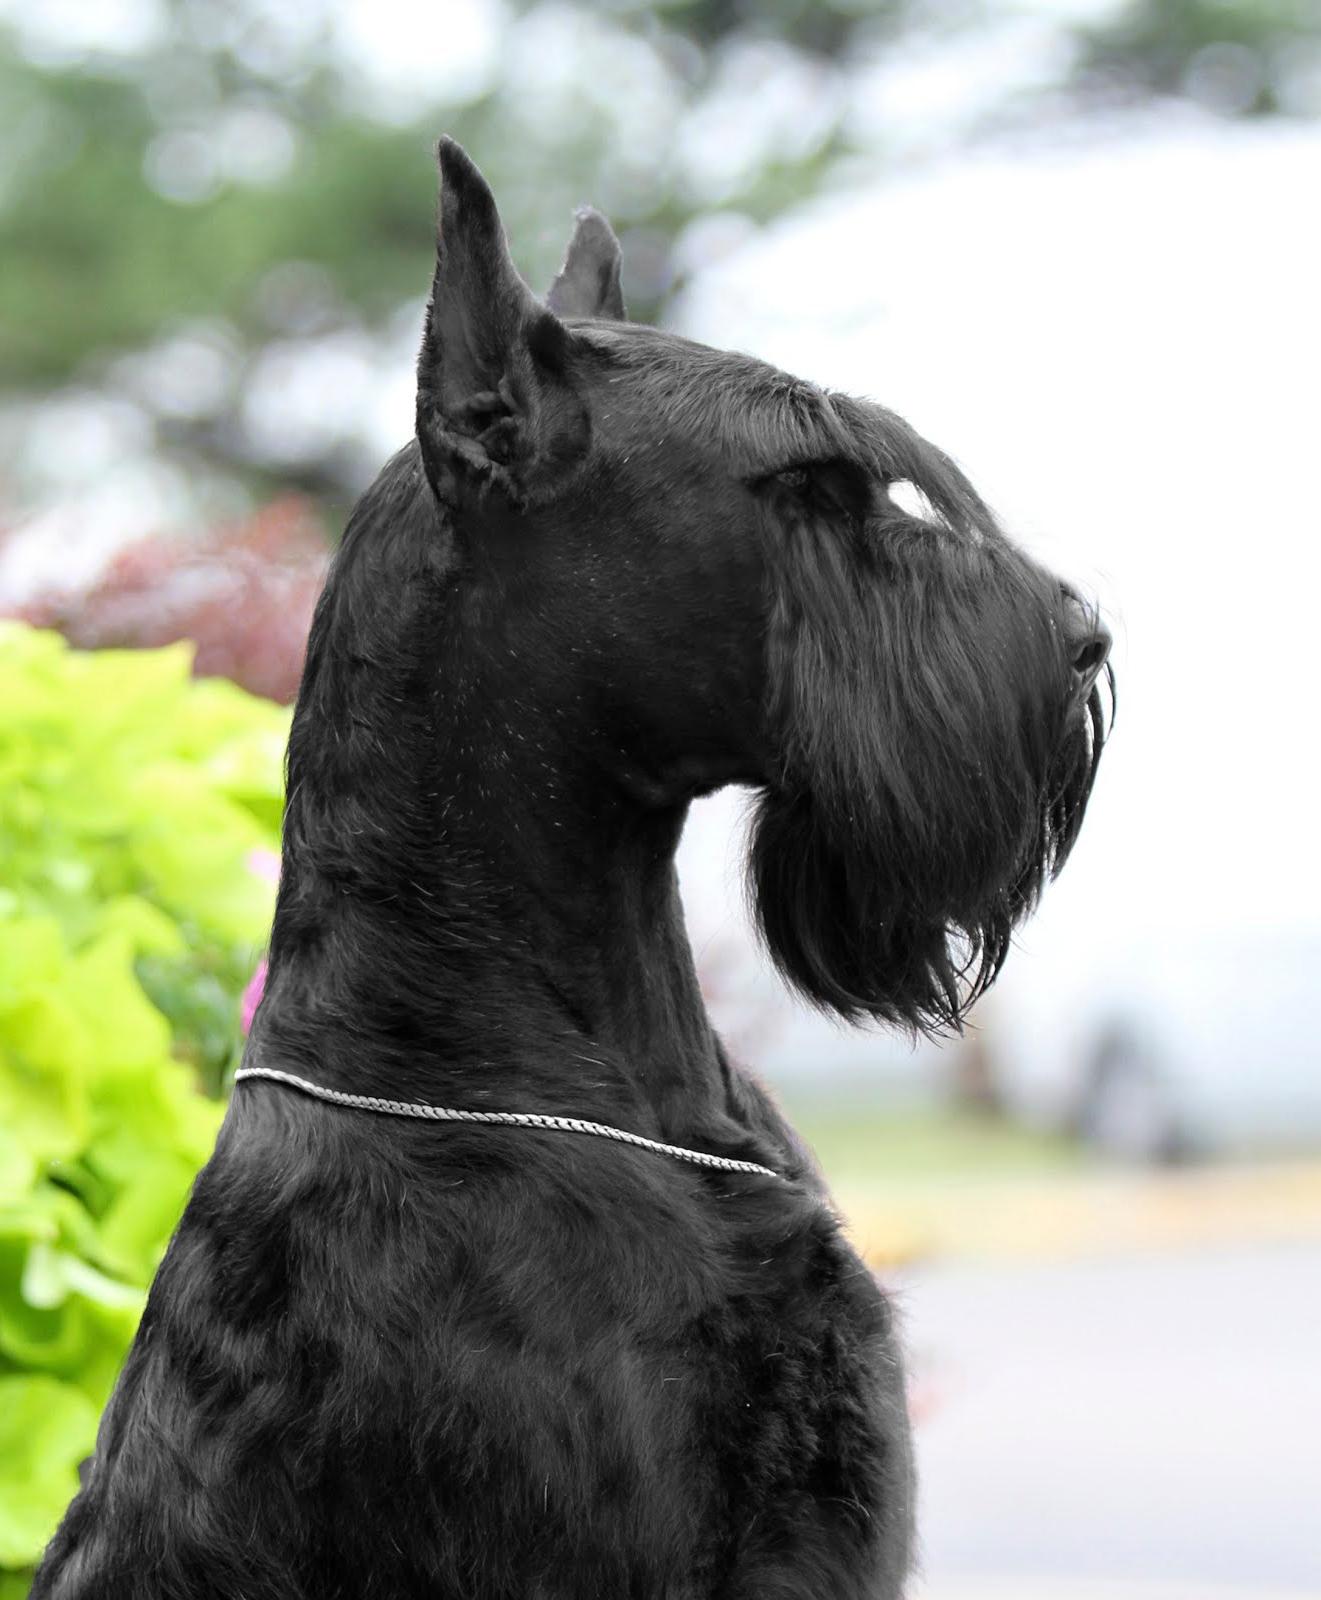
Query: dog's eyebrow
x=788 y=423
x=767 y=420
x=808 y=427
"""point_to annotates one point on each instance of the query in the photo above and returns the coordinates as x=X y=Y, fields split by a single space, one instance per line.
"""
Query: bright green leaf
x=123 y=1027
x=18 y=1167
x=147 y=928
x=46 y=1429
x=139 y=816
x=43 y=1098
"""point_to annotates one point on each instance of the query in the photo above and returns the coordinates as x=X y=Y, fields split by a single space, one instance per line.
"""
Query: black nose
x=1088 y=641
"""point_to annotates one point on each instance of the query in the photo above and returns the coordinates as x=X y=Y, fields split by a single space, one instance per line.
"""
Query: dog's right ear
x=494 y=407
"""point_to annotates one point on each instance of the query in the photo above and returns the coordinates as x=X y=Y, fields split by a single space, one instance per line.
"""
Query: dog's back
x=419 y=1361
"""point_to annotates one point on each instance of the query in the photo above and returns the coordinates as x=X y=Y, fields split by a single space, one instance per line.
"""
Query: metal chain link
x=504 y=1119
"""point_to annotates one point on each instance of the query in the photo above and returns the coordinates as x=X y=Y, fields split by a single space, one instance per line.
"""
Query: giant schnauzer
x=395 y=1355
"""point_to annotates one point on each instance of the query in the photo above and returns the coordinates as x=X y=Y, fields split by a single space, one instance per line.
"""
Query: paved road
x=1121 y=1422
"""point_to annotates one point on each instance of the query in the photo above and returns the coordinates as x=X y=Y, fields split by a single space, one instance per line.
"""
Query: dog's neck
x=471 y=910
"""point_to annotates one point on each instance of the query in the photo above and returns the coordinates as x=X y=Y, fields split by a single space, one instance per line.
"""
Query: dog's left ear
x=495 y=406
x=588 y=282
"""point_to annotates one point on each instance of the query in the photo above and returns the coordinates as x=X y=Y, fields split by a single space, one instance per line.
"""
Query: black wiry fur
x=385 y=1359
x=933 y=775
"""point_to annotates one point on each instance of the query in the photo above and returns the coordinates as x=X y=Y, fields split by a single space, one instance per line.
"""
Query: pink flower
x=253 y=993
x=262 y=864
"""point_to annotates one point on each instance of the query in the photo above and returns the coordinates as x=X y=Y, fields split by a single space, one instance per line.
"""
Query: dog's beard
x=934 y=772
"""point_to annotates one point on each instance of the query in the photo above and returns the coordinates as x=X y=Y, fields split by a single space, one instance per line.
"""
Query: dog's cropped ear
x=494 y=404
x=588 y=282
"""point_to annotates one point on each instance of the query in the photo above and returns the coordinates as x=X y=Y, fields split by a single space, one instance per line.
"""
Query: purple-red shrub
x=243 y=593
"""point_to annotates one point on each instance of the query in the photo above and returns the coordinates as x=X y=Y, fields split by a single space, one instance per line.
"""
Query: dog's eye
x=831 y=486
x=799 y=480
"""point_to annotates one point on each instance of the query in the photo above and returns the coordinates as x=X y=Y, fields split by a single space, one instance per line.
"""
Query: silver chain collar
x=503 y=1119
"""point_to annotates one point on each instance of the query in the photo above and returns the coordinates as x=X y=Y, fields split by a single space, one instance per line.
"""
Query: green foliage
x=132 y=799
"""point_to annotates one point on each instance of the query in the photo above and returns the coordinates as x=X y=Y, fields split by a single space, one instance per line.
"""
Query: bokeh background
x=1077 y=244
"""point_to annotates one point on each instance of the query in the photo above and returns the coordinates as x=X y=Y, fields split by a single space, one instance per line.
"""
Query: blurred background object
x=1077 y=244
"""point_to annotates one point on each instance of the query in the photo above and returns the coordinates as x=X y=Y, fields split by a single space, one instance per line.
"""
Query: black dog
x=615 y=570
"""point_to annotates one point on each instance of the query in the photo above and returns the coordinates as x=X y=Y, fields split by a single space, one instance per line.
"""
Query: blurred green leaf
x=139 y=817
x=46 y=1429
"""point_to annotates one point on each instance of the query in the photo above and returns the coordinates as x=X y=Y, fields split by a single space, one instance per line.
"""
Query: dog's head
x=706 y=559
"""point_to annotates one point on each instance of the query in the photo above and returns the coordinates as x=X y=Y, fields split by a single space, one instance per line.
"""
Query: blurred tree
x=833 y=29
x=225 y=199
x=1237 y=57
x=215 y=210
